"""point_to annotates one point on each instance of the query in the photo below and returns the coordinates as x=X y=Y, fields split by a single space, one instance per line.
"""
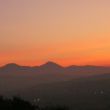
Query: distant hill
x=51 y=67
x=14 y=77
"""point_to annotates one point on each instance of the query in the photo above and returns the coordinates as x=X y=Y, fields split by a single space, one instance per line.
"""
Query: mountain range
x=55 y=84
x=53 y=68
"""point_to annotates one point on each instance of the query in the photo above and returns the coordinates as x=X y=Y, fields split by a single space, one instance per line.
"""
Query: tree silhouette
x=16 y=103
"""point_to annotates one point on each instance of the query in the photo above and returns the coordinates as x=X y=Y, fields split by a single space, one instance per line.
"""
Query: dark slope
x=87 y=92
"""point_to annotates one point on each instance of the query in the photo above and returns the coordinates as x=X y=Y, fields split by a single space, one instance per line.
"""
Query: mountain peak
x=11 y=65
x=51 y=64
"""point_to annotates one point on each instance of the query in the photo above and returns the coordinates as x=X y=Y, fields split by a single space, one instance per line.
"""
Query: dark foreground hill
x=92 y=93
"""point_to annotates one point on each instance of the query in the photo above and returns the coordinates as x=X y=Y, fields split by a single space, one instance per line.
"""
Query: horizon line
x=13 y=63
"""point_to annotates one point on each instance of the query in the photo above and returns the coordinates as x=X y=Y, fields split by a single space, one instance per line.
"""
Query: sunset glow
x=69 y=32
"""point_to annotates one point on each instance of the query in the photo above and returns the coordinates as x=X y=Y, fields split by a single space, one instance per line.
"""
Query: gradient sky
x=65 y=31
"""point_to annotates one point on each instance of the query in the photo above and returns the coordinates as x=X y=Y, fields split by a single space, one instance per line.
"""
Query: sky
x=68 y=32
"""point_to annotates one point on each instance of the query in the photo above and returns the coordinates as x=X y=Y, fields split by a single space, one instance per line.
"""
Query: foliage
x=16 y=103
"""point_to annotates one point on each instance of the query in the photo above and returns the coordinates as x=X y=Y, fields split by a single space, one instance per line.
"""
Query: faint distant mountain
x=54 y=68
x=51 y=67
x=11 y=66
x=88 y=69
x=14 y=77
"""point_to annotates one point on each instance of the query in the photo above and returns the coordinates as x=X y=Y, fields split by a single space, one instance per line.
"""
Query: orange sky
x=65 y=31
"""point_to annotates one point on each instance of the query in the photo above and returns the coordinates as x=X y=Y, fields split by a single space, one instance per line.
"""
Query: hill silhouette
x=26 y=76
x=51 y=67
